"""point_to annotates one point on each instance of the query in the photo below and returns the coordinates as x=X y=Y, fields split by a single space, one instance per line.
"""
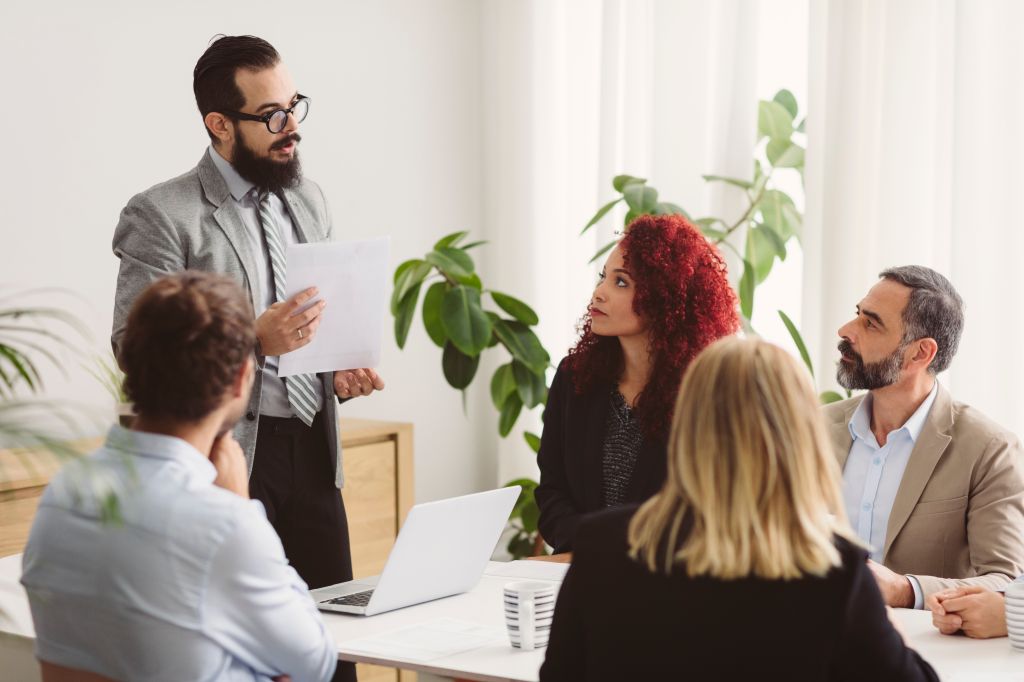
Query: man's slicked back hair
x=935 y=310
x=213 y=80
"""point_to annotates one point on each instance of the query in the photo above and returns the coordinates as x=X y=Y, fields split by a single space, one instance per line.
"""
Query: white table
x=956 y=659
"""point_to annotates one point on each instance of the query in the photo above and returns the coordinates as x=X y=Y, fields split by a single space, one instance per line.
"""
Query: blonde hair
x=751 y=465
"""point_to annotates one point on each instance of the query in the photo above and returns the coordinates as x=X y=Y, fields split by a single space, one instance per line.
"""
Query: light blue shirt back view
x=191 y=584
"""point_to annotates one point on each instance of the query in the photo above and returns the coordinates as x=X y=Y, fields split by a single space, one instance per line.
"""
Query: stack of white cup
x=1015 y=614
x=529 y=609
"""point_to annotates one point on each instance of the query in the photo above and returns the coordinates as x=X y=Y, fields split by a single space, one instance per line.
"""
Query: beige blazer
x=958 y=516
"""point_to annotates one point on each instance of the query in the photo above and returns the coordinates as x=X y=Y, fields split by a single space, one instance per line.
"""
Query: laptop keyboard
x=354 y=599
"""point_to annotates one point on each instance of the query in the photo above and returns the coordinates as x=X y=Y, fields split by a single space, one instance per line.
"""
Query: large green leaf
x=747 y=284
x=761 y=249
x=788 y=101
x=509 y=414
x=640 y=198
x=409 y=274
x=529 y=384
x=432 y=313
x=522 y=343
x=794 y=334
x=785 y=221
x=452 y=261
x=459 y=368
x=601 y=212
x=774 y=121
x=450 y=240
x=533 y=440
x=829 y=397
x=668 y=208
x=503 y=384
x=737 y=182
x=785 y=154
x=619 y=182
x=464 y=320
x=406 y=311
x=515 y=308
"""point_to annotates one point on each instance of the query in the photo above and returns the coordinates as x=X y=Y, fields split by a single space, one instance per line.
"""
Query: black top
x=571 y=460
x=615 y=620
x=621 y=447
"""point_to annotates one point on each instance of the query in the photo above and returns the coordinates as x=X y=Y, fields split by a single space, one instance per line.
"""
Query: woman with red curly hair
x=662 y=297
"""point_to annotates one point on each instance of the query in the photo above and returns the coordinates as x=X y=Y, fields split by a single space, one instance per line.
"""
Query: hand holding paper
x=353 y=277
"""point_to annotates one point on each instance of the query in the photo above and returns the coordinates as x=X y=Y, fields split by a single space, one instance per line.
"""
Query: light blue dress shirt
x=274 y=396
x=193 y=583
x=873 y=473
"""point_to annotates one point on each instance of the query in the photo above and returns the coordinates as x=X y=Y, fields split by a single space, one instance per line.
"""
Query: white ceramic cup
x=529 y=609
x=1014 y=619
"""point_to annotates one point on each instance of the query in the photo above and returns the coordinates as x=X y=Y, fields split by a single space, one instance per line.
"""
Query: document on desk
x=352 y=277
x=528 y=570
x=426 y=641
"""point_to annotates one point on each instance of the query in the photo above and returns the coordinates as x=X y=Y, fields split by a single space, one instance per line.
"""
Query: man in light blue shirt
x=191 y=582
x=934 y=487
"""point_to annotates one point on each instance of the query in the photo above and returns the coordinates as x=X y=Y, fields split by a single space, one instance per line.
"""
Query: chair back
x=58 y=673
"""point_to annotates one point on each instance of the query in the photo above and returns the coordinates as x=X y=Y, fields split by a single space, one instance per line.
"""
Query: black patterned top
x=621 y=446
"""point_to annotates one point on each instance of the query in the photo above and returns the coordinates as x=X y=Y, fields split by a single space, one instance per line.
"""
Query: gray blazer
x=190 y=223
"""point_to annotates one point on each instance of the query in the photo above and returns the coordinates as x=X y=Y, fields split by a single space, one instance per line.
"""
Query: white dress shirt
x=274 y=396
x=873 y=473
x=191 y=584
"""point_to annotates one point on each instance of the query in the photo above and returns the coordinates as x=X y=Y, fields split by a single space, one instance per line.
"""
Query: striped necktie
x=302 y=395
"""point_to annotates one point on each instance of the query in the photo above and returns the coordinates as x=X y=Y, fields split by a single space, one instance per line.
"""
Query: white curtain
x=915 y=153
x=576 y=92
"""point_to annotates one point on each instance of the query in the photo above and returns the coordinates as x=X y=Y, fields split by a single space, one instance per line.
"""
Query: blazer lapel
x=839 y=431
x=300 y=217
x=931 y=444
x=230 y=222
x=597 y=426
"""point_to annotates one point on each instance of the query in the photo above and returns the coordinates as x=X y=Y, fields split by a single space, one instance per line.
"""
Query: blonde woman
x=743 y=565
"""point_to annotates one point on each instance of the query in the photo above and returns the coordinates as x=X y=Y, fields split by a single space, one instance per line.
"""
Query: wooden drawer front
x=370 y=504
x=17 y=509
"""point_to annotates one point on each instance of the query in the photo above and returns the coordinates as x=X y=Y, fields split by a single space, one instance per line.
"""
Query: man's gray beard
x=873 y=375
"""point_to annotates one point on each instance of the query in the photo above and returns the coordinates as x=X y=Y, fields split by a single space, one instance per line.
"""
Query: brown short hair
x=186 y=338
x=213 y=79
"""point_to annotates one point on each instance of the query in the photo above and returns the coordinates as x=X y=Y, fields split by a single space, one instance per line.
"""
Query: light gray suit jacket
x=191 y=223
x=958 y=516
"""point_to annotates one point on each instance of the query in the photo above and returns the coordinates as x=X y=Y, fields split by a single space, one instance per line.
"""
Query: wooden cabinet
x=378 y=493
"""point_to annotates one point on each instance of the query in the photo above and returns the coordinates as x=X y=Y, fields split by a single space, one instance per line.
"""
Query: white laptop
x=441 y=550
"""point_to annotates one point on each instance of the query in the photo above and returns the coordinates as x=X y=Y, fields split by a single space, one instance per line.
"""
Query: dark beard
x=868 y=376
x=268 y=175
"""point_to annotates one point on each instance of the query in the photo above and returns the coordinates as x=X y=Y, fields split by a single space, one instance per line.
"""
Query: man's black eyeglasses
x=277 y=119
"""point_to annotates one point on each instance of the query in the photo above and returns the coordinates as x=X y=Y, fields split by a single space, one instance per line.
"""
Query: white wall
x=101 y=107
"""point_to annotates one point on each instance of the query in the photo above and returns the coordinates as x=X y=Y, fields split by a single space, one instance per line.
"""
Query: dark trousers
x=293 y=476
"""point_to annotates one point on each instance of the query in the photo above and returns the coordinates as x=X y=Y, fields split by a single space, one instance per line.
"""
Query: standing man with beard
x=932 y=485
x=235 y=214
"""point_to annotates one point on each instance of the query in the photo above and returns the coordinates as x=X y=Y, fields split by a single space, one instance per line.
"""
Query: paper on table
x=529 y=570
x=426 y=641
x=352 y=277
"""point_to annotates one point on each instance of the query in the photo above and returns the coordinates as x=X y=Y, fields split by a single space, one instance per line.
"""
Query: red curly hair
x=683 y=296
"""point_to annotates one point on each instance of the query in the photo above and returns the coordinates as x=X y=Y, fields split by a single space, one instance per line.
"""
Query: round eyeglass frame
x=277 y=119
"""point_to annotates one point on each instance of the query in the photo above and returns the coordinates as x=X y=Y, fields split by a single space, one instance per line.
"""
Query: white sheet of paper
x=529 y=570
x=352 y=277
x=426 y=641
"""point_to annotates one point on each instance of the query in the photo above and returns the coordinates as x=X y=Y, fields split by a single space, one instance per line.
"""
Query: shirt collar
x=237 y=185
x=159 y=446
x=860 y=422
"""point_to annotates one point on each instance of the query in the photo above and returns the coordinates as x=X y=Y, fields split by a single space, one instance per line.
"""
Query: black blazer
x=615 y=620
x=570 y=460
